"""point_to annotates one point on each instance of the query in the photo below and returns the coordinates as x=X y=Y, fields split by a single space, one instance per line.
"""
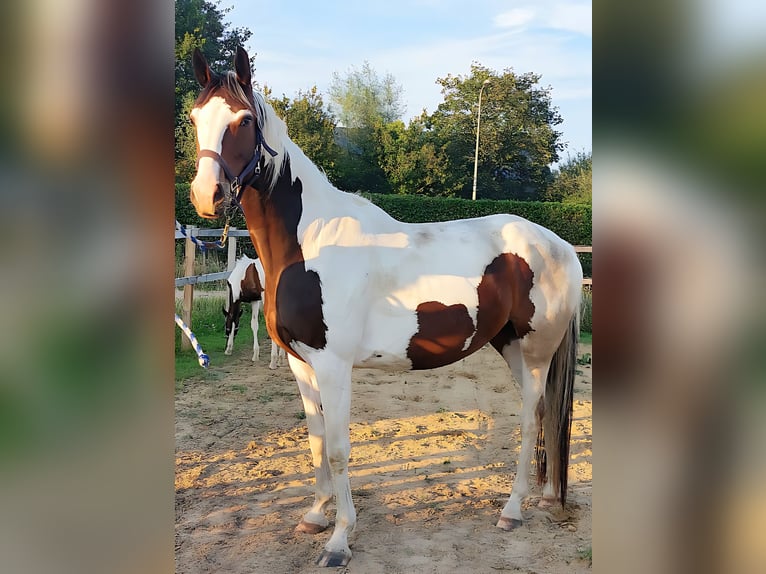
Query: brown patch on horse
x=293 y=295
x=442 y=333
x=251 y=288
x=299 y=307
x=514 y=273
x=504 y=313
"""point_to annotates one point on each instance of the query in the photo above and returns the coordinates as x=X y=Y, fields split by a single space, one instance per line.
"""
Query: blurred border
x=680 y=133
x=86 y=391
x=86 y=394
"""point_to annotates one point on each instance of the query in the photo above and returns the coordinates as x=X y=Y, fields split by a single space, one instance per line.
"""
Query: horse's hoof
x=273 y=367
x=508 y=524
x=548 y=502
x=310 y=527
x=333 y=559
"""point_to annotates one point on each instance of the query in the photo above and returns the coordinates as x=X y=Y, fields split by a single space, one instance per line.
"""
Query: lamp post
x=476 y=155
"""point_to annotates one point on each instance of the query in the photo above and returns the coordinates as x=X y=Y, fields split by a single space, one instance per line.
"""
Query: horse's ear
x=201 y=69
x=223 y=310
x=242 y=67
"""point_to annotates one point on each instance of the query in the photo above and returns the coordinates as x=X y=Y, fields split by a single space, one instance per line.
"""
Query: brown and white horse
x=347 y=285
x=245 y=284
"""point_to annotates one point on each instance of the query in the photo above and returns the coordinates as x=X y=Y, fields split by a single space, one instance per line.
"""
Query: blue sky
x=300 y=44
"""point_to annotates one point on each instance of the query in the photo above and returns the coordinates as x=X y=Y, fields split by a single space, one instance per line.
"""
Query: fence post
x=186 y=313
x=232 y=250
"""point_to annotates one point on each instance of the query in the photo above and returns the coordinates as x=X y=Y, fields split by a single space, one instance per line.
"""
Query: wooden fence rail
x=189 y=280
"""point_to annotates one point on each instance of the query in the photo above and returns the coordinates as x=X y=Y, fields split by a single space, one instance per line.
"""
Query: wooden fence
x=189 y=279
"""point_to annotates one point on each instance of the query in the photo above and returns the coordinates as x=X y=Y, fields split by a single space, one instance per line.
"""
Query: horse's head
x=228 y=128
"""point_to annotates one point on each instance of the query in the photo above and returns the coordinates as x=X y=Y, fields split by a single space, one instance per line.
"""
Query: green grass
x=586 y=317
x=586 y=554
x=208 y=326
x=586 y=311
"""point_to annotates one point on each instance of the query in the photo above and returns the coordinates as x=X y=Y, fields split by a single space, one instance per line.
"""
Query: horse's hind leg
x=254 y=327
x=314 y=520
x=532 y=383
x=277 y=356
x=276 y=353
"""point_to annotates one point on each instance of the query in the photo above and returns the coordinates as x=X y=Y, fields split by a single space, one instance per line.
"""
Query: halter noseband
x=248 y=175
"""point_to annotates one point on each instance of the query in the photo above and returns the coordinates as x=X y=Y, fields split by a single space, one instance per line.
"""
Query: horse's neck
x=273 y=217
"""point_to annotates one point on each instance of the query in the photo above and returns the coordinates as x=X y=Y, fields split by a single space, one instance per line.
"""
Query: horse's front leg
x=334 y=380
x=277 y=352
x=314 y=520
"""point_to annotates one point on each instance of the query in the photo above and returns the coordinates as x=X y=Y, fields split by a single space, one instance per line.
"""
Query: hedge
x=572 y=222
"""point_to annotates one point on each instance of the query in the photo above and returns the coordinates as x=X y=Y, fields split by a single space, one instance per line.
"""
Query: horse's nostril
x=218 y=195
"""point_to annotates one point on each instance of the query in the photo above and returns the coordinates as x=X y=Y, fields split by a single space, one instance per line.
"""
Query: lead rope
x=202 y=358
x=205 y=245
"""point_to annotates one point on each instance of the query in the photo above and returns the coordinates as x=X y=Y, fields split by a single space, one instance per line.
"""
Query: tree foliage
x=360 y=99
x=573 y=182
x=365 y=105
x=311 y=126
x=517 y=142
x=434 y=154
x=413 y=161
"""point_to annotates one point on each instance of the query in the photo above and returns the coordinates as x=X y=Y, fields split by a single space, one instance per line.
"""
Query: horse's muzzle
x=209 y=204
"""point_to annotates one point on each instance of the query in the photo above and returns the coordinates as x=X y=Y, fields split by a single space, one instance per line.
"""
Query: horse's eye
x=246 y=121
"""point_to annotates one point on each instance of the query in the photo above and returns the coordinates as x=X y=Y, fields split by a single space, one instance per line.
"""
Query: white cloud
x=515 y=18
x=571 y=17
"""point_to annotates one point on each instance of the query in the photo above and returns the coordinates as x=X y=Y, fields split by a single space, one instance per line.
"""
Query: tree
x=517 y=141
x=411 y=160
x=361 y=99
x=310 y=126
x=198 y=23
x=364 y=104
x=573 y=181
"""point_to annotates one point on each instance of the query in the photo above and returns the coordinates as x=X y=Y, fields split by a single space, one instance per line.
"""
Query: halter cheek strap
x=248 y=175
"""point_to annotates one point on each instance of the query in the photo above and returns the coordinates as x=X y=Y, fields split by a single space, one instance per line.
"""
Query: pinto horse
x=347 y=285
x=245 y=284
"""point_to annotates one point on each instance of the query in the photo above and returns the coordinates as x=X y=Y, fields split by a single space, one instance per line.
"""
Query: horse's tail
x=556 y=424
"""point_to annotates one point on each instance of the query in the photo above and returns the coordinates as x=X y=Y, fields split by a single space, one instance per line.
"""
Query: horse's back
x=450 y=286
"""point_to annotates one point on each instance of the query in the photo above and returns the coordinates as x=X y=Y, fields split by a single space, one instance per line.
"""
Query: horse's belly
x=434 y=336
x=386 y=362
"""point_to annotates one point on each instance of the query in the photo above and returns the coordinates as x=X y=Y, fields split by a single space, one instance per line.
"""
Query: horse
x=245 y=285
x=349 y=286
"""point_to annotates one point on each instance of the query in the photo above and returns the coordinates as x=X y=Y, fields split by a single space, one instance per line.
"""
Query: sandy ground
x=432 y=461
